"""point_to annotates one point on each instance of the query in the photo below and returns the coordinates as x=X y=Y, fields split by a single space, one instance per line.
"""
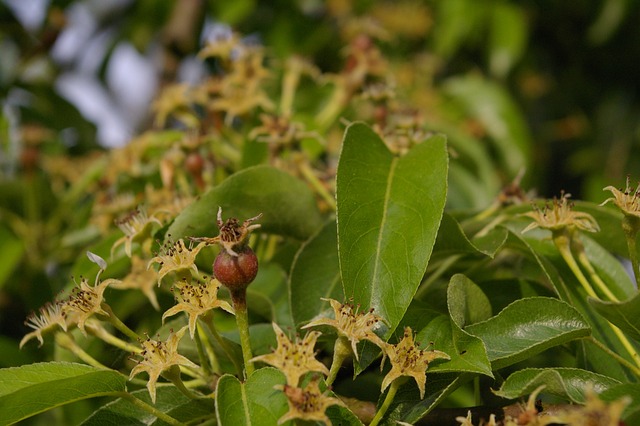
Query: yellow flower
x=140 y=278
x=308 y=404
x=178 y=258
x=85 y=301
x=51 y=316
x=158 y=357
x=231 y=234
x=559 y=216
x=294 y=359
x=178 y=100
x=628 y=200
x=351 y=324
x=408 y=360
x=197 y=300
x=137 y=226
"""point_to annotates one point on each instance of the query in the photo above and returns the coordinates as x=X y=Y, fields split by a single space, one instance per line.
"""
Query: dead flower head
x=50 y=317
x=196 y=300
x=407 y=359
x=351 y=324
x=231 y=234
x=159 y=356
x=627 y=200
x=308 y=403
x=139 y=278
x=296 y=358
x=137 y=227
x=86 y=301
x=559 y=216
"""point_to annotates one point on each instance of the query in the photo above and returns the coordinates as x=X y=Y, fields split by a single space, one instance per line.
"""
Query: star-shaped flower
x=627 y=200
x=559 y=216
x=177 y=257
x=308 y=404
x=407 y=359
x=351 y=324
x=86 y=301
x=294 y=359
x=50 y=317
x=158 y=357
x=137 y=227
x=140 y=278
x=197 y=299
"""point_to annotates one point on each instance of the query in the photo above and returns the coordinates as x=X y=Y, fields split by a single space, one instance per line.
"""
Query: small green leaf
x=568 y=383
x=467 y=302
x=622 y=314
x=531 y=325
x=287 y=205
x=169 y=400
x=451 y=238
x=389 y=211
x=254 y=402
x=315 y=274
x=32 y=389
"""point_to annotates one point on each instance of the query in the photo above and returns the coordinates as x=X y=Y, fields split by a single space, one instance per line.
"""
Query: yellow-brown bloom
x=308 y=404
x=197 y=299
x=177 y=257
x=407 y=359
x=86 y=301
x=559 y=216
x=50 y=317
x=627 y=200
x=351 y=324
x=231 y=234
x=137 y=227
x=294 y=359
x=158 y=357
x=139 y=278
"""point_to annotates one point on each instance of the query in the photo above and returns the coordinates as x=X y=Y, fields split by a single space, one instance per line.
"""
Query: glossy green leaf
x=32 y=389
x=169 y=400
x=451 y=238
x=609 y=268
x=254 y=402
x=531 y=325
x=389 y=211
x=625 y=315
x=630 y=392
x=315 y=274
x=569 y=383
x=287 y=205
x=495 y=109
x=467 y=302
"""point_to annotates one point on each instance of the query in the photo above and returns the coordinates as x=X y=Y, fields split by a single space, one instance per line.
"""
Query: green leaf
x=315 y=274
x=11 y=251
x=532 y=325
x=467 y=302
x=631 y=414
x=451 y=239
x=169 y=400
x=287 y=205
x=254 y=402
x=32 y=389
x=569 y=383
x=622 y=314
x=508 y=37
x=389 y=211
x=267 y=295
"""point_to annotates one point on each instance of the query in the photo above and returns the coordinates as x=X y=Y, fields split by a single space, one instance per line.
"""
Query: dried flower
x=196 y=300
x=140 y=278
x=351 y=324
x=86 y=300
x=559 y=216
x=294 y=359
x=408 y=360
x=231 y=234
x=137 y=226
x=308 y=404
x=50 y=317
x=177 y=257
x=627 y=200
x=158 y=357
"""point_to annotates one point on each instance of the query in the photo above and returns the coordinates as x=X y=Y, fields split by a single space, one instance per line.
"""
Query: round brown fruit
x=236 y=272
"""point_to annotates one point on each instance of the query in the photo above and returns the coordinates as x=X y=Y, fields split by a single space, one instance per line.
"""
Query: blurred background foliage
x=544 y=88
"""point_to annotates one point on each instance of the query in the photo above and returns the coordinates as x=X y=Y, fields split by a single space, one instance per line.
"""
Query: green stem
x=393 y=388
x=115 y=321
x=586 y=263
x=213 y=359
x=440 y=270
x=316 y=184
x=109 y=338
x=148 y=408
x=242 y=320
x=630 y=226
x=562 y=241
x=618 y=358
x=341 y=351
x=64 y=340
x=173 y=375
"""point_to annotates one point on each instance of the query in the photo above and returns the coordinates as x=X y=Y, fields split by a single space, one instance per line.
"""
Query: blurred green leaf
x=568 y=383
x=11 y=252
x=532 y=325
x=389 y=211
x=508 y=37
x=631 y=391
x=625 y=315
x=269 y=289
x=287 y=205
x=32 y=389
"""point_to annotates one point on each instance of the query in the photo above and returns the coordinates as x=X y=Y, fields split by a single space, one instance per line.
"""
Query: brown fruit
x=236 y=272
